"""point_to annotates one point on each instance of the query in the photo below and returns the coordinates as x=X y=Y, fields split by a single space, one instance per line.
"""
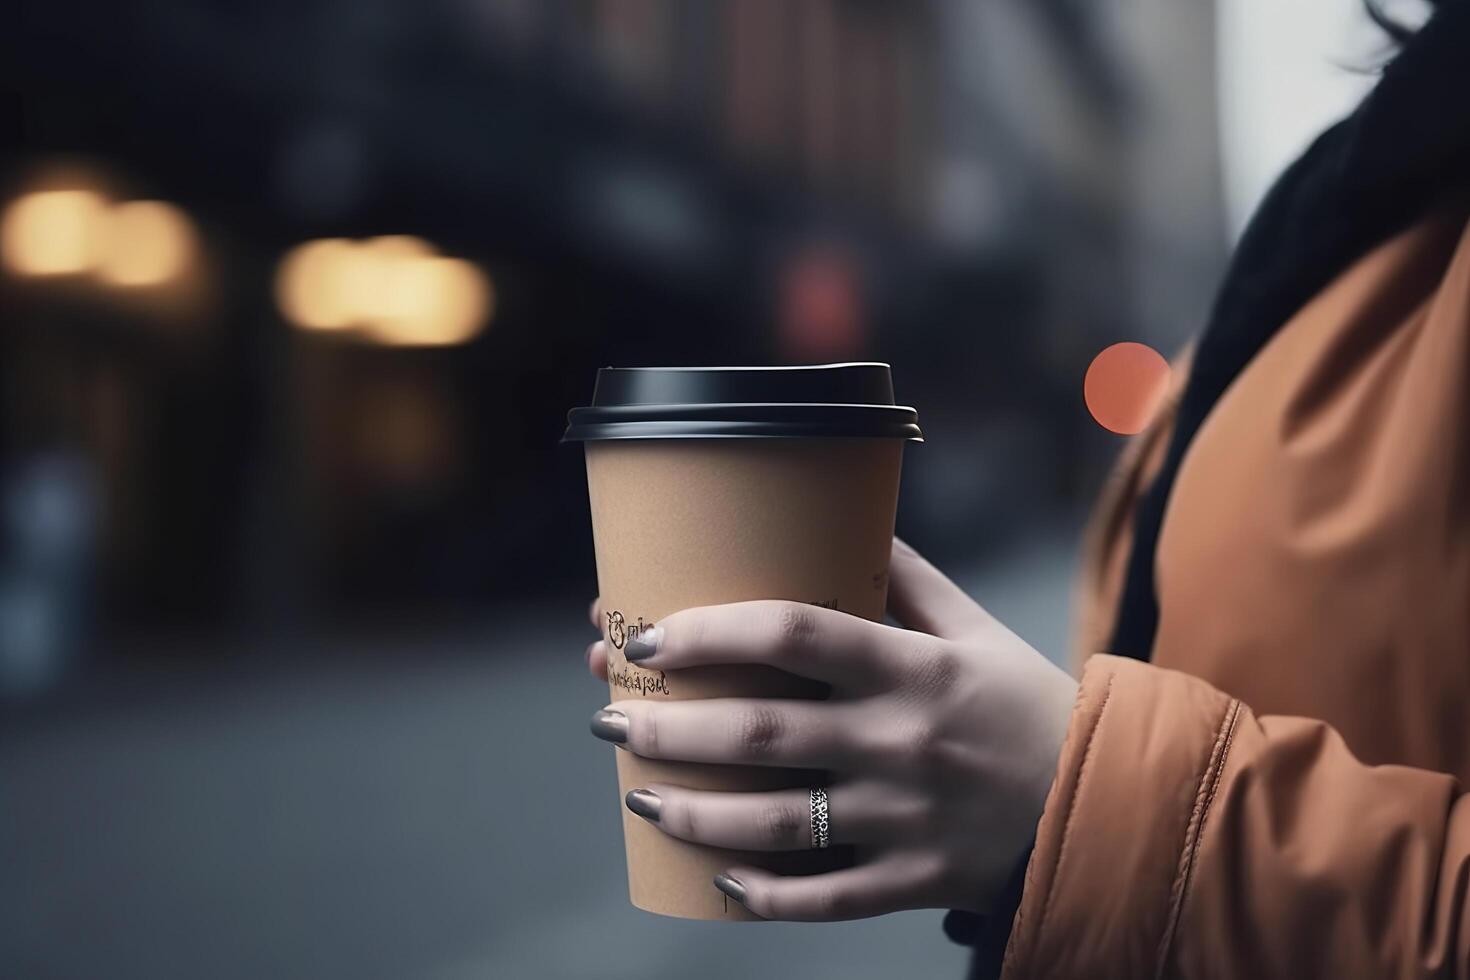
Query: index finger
x=812 y=641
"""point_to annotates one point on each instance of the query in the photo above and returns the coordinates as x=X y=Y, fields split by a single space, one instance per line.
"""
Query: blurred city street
x=362 y=809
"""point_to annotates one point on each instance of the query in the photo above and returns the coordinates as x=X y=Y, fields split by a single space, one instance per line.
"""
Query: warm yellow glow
x=145 y=243
x=433 y=302
x=398 y=247
x=312 y=284
x=393 y=287
x=373 y=280
x=52 y=233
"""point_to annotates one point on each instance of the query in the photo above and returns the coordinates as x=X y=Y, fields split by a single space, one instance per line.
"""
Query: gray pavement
x=397 y=807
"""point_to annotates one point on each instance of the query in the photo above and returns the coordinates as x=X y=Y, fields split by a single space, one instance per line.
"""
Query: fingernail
x=731 y=886
x=610 y=726
x=645 y=803
x=644 y=645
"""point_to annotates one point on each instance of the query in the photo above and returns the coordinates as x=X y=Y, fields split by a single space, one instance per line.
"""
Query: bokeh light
x=52 y=233
x=820 y=308
x=145 y=243
x=375 y=274
x=434 y=302
x=1124 y=386
x=393 y=288
x=313 y=287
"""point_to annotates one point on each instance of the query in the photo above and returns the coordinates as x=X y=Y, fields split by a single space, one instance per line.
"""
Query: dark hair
x=1397 y=30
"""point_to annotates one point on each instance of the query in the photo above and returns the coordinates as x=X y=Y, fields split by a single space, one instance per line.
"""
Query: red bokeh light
x=1124 y=385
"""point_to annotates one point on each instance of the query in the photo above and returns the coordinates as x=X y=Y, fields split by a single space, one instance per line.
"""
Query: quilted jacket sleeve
x=1186 y=837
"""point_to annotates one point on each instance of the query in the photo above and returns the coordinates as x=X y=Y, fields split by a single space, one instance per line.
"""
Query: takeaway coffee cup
x=717 y=485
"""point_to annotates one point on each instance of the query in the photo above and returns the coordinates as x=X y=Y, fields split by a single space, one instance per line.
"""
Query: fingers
x=771 y=821
x=923 y=598
x=823 y=644
x=737 y=731
x=894 y=882
x=594 y=613
x=597 y=659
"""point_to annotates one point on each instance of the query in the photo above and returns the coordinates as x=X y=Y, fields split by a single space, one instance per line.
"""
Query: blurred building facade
x=983 y=193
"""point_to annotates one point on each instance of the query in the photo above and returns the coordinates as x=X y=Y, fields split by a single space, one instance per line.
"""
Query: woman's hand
x=942 y=740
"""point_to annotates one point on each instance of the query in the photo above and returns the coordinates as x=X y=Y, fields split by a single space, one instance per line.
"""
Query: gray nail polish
x=610 y=726
x=731 y=886
x=644 y=645
x=645 y=803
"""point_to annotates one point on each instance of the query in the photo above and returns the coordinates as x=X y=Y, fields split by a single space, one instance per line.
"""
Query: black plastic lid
x=806 y=402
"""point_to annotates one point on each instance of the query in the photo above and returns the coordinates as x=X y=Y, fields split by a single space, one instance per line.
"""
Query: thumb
x=922 y=598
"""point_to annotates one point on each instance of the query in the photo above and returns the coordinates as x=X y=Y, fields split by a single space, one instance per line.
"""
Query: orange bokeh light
x=393 y=290
x=1124 y=386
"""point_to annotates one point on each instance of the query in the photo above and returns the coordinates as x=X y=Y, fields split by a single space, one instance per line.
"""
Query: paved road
x=388 y=808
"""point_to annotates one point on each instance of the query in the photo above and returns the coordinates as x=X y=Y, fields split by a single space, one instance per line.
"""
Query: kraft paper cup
x=699 y=515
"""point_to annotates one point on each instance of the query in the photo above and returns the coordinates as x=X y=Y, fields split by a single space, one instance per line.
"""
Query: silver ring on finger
x=821 y=827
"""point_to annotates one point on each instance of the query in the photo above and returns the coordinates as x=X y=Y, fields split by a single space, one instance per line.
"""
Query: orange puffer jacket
x=1281 y=792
